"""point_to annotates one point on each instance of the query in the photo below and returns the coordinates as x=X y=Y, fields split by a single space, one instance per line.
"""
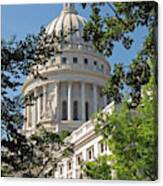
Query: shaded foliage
x=21 y=156
x=35 y=156
x=99 y=169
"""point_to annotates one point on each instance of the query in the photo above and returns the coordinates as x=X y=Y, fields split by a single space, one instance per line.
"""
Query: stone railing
x=87 y=127
x=79 y=67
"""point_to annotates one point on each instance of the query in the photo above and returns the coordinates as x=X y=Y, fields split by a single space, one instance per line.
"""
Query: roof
x=68 y=24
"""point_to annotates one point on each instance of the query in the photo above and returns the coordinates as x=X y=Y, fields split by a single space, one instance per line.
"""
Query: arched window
x=75 y=110
x=64 y=110
x=86 y=111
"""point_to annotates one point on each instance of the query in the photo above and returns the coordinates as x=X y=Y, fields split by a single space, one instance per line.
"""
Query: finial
x=69 y=7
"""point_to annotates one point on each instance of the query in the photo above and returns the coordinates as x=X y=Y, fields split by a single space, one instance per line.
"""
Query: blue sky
x=20 y=20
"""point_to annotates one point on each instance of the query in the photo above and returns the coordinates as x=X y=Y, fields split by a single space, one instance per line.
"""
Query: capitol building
x=71 y=93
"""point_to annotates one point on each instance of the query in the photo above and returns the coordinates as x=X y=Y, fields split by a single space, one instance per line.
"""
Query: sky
x=21 y=20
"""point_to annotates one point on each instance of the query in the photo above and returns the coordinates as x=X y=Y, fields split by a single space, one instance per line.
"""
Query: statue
x=51 y=112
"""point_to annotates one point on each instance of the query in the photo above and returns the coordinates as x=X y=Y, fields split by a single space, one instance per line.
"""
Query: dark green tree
x=20 y=157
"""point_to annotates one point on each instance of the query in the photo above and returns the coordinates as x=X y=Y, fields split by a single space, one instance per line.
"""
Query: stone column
x=69 y=100
x=74 y=167
x=84 y=152
x=105 y=100
x=83 y=101
x=94 y=98
x=57 y=101
x=35 y=109
x=29 y=117
x=25 y=118
x=64 y=169
x=38 y=105
x=96 y=150
x=44 y=98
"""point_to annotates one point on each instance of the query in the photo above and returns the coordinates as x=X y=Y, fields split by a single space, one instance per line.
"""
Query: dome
x=68 y=24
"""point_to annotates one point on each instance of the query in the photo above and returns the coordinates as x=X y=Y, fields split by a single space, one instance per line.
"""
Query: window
x=85 y=61
x=61 y=169
x=64 y=60
x=90 y=153
x=79 y=158
x=69 y=165
x=102 y=147
x=81 y=176
x=64 y=110
x=95 y=63
x=75 y=110
x=102 y=68
x=75 y=60
x=86 y=111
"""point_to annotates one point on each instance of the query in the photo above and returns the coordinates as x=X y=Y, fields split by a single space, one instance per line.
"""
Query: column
x=83 y=101
x=57 y=101
x=74 y=166
x=44 y=98
x=64 y=169
x=96 y=150
x=28 y=116
x=105 y=100
x=38 y=106
x=94 y=98
x=35 y=109
x=24 y=116
x=69 y=100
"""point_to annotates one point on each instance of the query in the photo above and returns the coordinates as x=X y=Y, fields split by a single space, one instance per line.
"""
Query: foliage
x=116 y=26
x=99 y=169
x=32 y=157
x=131 y=130
x=20 y=156
x=132 y=137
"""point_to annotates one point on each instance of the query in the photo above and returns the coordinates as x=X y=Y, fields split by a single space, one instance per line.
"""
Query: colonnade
x=39 y=108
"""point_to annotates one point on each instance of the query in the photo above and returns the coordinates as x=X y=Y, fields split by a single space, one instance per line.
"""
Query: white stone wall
x=83 y=139
x=82 y=151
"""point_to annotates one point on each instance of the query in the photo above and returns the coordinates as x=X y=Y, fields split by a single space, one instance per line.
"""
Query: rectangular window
x=85 y=61
x=95 y=63
x=61 y=170
x=75 y=60
x=102 y=68
x=64 y=60
x=102 y=147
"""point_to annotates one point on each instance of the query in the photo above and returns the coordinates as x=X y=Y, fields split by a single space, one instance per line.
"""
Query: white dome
x=68 y=24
